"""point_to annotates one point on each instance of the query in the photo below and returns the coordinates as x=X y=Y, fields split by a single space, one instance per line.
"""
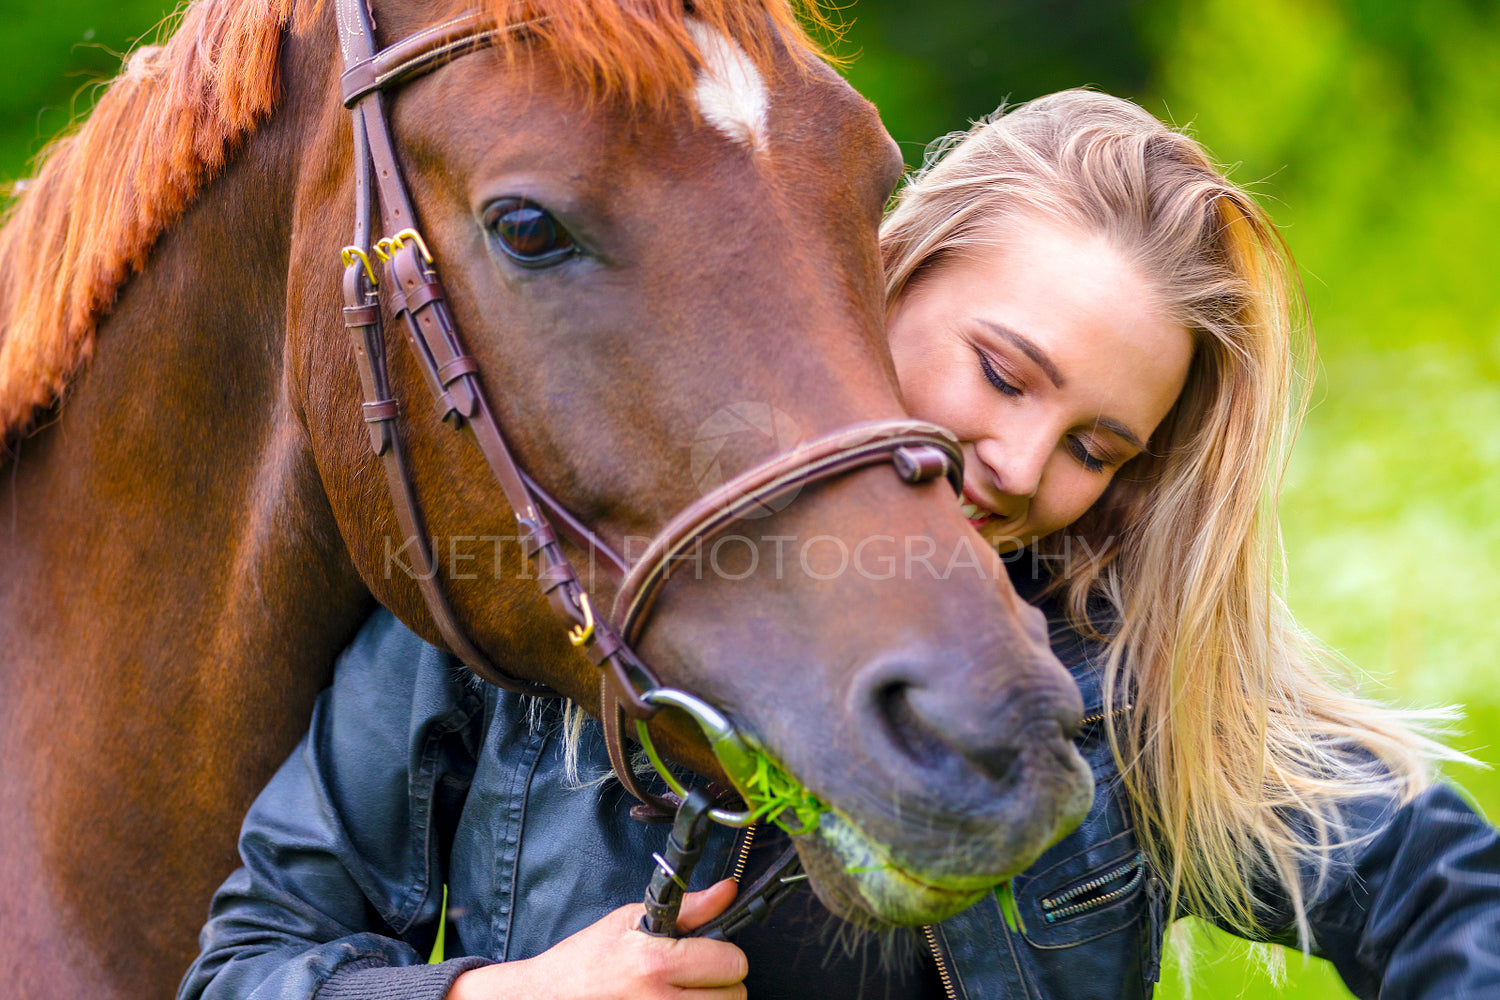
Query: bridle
x=918 y=451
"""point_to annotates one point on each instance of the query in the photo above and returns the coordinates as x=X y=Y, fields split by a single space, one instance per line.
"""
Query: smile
x=977 y=515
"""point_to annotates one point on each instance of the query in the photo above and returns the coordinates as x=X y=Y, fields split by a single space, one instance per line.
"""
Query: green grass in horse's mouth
x=772 y=793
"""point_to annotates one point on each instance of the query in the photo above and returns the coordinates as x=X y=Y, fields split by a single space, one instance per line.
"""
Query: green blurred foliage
x=1370 y=128
x=55 y=54
x=933 y=68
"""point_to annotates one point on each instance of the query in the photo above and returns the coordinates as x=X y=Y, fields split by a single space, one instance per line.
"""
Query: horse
x=648 y=215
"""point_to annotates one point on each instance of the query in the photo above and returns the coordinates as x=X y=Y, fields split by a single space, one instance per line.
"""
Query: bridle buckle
x=386 y=246
x=581 y=633
x=351 y=254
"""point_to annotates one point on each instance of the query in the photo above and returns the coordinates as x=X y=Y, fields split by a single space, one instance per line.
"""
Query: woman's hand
x=613 y=959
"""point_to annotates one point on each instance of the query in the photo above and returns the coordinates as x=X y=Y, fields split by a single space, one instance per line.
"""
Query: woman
x=1106 y=323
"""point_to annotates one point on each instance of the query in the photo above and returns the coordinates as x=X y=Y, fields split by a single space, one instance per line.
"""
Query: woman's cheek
x=1074 y=497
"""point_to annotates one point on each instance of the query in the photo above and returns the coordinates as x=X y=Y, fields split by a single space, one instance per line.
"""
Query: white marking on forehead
x=730 y=93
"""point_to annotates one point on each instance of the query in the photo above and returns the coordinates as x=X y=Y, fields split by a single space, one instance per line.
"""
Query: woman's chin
x=1004 y=535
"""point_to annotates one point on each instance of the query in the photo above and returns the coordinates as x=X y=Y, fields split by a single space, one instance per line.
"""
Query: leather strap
x=755 y=902
x=675 y=866
x=832 y=455
x=653 y=808
x=417 y=54
x=576 y=532
x=362 y=314
x=925 y=450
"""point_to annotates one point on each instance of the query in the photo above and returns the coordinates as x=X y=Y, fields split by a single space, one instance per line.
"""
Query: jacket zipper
x=929 y=932
x=1100 y=716
x=949 y=990
x=1076 y=900
x=742 y=855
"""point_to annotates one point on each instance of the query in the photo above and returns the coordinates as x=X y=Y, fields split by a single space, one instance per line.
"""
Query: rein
x=918 y=451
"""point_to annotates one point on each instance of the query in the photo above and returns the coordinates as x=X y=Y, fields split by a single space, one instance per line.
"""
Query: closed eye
x=1086 y=458
x=994 y=378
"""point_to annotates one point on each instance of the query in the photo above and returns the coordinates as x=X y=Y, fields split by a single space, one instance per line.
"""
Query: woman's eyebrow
x=1028 y=347
x=1121 y=431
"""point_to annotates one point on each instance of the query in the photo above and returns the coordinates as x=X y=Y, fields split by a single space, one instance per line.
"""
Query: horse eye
x=528 y=234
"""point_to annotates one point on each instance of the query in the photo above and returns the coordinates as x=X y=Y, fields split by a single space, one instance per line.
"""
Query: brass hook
x=350 y=254
x=388 y=245
x=580 y=634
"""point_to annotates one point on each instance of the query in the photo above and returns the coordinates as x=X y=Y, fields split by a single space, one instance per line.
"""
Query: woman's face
x=1051 y=360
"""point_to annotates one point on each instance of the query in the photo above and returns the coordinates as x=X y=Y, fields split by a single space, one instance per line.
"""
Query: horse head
x=658 y=240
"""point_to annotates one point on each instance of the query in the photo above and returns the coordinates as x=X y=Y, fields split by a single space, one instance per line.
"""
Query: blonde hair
x=1238 y=753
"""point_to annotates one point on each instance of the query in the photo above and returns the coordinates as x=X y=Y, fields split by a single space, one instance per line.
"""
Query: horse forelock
x=648 y=53
x=104 y=194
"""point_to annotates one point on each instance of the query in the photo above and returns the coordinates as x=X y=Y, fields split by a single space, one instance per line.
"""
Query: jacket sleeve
x=1411 y=908
x=341 y=889
x=1416 y=913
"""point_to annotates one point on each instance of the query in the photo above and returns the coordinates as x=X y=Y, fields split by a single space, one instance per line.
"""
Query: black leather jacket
x=411 y=777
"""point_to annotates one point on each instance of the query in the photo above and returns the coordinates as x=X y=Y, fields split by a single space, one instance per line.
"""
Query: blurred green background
x=1371 y=128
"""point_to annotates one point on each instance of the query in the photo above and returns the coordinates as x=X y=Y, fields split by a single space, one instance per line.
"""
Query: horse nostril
x=902 y=725
x=928 y=739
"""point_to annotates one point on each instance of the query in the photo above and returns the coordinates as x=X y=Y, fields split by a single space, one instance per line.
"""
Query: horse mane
x=104 y=193
x=178 y=113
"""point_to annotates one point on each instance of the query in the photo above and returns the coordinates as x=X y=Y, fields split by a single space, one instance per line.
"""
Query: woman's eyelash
x=1086 y=458
x=994 y=378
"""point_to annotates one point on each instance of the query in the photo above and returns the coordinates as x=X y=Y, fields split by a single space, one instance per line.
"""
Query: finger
x=699 y=908
x=703 y=963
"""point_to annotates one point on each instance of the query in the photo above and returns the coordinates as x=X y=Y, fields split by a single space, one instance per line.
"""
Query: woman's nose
x=1015 y=462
